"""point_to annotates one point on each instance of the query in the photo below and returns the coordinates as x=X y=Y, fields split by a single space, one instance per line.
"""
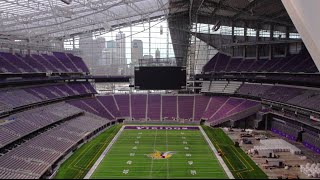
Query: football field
x=159 y=153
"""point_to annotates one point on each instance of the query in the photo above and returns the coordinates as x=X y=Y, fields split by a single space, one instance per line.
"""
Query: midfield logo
x=160 y=155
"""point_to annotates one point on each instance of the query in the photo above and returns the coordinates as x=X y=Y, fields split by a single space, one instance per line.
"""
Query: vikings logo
x=160 y=155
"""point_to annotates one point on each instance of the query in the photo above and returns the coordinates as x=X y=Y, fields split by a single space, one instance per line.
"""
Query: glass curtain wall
x=117 y=52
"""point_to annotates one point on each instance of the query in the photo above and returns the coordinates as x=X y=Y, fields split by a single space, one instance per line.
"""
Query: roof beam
x=217 y=7
x=99 y=26
x=49 y=25
x=239 y=12
x=37 y=6
x=249 y=43
x=99 y=9
x=77 y=9
x=247 y=8
x=79 y=18
x=190 y=12
x=278 y=14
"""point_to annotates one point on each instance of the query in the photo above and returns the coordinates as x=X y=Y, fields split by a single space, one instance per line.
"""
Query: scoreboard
x=160 y=78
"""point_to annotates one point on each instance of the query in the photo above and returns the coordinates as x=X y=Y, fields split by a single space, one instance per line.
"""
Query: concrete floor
x=286 y=157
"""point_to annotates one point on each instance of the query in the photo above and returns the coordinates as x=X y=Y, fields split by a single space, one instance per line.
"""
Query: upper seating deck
x=296 y=63
x=57 y=62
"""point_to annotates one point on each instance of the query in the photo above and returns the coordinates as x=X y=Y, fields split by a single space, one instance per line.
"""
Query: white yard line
x=105 y=152
x=167 y=150
x=223 y=164
x=154 y=146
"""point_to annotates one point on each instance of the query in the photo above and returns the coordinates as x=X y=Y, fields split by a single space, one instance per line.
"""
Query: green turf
x=120 y=163
x=239 y=163
x=77 y=166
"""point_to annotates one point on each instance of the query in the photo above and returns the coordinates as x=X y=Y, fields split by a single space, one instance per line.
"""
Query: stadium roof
x=41 y=20
x=53 y=18
x=253 y=12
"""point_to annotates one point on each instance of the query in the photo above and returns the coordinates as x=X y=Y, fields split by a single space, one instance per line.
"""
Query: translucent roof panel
x=27 y=19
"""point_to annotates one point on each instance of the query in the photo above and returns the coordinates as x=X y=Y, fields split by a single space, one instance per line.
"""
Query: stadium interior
x=78 y=76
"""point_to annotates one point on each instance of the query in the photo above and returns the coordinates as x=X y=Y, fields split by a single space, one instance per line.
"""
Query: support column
x=28 y=50
x=149 y=37
x=271 y=39
x=73 y=43
x=245 y=31
x=244 y=51
x=11 y=49
x=257 y=46
x=287 y=48
x=232 y=37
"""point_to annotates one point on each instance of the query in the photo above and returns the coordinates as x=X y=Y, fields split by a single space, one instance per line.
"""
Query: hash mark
x=125 y=171
x=193 y=172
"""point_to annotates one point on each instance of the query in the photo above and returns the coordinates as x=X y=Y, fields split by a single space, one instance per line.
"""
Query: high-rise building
x=109 y=53
x=111 y=44
x=136 y=51
x=91 y=49
x=120 y=49
x=157 y=54
x=120 y=62
x=98 y=47
x=85 y=44
x=109 y=63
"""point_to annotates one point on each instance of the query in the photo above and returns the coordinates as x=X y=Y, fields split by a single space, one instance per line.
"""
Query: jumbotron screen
x=160 y=78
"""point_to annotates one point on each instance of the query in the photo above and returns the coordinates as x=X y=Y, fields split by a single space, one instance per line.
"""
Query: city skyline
x=158 y=38
x=136 y=52
x=117 y=52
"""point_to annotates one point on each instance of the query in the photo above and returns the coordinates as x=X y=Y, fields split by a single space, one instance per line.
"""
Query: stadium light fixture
x=216 y=27
x=67 y=1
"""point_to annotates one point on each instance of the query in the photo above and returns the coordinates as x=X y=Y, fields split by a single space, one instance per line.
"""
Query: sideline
x=223 y=164
x=96 y=164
